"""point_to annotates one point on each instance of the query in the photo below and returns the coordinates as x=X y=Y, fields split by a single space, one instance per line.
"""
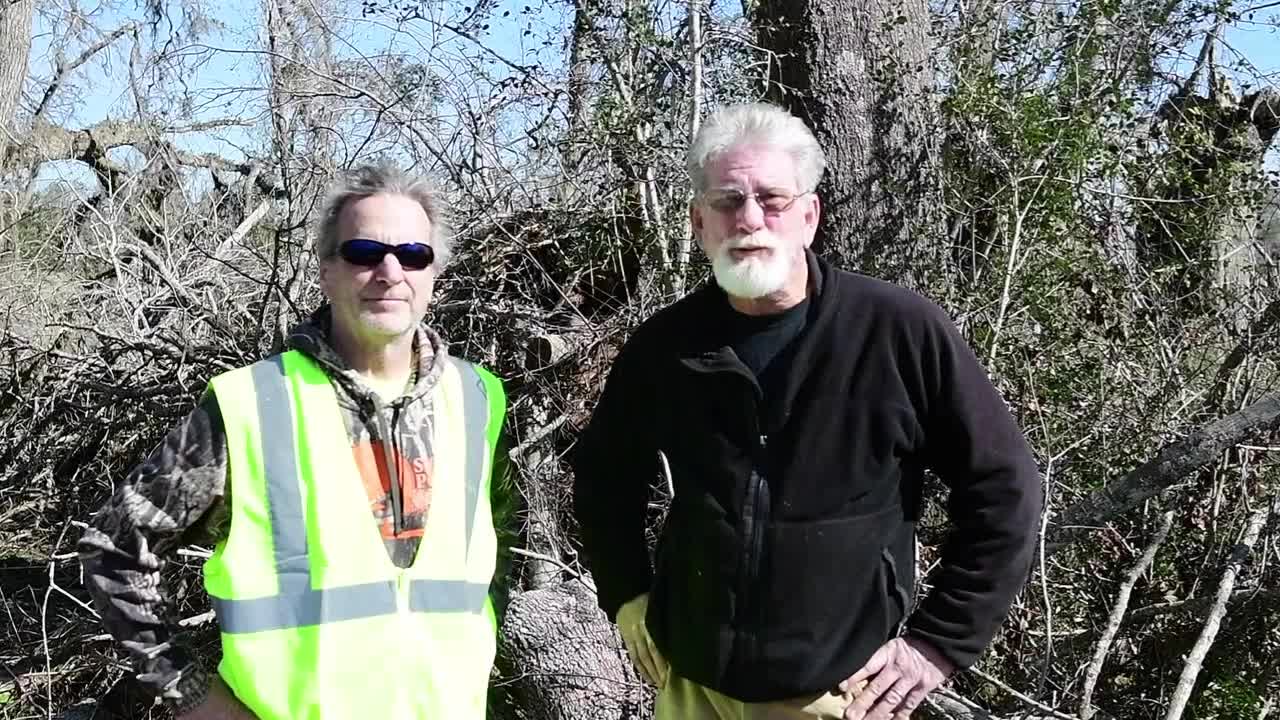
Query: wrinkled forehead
x=751 y=167
x=392 y=219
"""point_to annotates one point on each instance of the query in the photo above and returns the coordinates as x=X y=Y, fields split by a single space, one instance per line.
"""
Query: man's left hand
x=901 y=673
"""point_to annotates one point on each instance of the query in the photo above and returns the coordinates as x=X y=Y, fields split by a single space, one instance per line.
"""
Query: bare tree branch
x=207 y=125
x=1259 y=330
x=953 y=705
x=1262 y=6
x=1030 y=702
x=63 y=68
x=1117 y=615
x=1174 y=462
x=90 y=145
x=1175 y=102
x=1239 y=554
x=615 y=73
x=1197 y=604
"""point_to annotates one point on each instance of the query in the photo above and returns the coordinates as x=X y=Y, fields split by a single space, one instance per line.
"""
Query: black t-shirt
x=759 y=340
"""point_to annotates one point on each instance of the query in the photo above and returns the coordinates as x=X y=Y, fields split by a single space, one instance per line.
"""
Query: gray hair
x=383 y=178
x=760 y=123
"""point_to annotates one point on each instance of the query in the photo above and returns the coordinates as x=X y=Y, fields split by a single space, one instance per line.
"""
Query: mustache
x=754 y=240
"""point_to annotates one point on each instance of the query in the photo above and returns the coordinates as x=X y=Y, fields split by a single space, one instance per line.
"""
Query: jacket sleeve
x=504 y=504
x=175 y=497
x=975 y=446
x=614 y=464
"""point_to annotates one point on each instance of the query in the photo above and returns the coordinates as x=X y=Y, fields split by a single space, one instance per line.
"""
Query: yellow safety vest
x=316 y=620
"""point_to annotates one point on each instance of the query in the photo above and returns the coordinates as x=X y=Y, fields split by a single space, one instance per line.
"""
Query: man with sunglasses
x=348 y=486
x=794 y=408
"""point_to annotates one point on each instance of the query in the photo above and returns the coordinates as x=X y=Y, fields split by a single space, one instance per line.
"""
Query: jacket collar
x=716 y=357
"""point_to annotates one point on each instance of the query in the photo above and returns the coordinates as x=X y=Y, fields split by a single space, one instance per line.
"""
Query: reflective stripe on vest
x=297 y=604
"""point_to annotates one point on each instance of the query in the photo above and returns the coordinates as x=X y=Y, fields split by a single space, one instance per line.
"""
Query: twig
x=176 y=286
x=44 y=624
x=555 y=561
x=1255 y=8
x=207 y=125
x=1191 y=669
x=1045 y=514
x=1029 y=701
x=64 y=68
x=244 y=227
x=666 y=474
x=75 y=600
x=1175 y=101
x=953 y=705
x=1199 y=603
x=1117 y=615
x=1259 y=333
x=538 y=436
x=196 y=620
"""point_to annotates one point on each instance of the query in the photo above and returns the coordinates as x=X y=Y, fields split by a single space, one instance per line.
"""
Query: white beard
x=753 y=277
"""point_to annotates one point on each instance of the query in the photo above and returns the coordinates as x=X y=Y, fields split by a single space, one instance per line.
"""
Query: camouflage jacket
x=179 y=496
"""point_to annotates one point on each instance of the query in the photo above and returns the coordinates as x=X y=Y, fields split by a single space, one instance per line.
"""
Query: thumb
x=873 y=666
x=663 y=667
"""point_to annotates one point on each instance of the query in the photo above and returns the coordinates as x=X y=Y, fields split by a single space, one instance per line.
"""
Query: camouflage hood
x=311 y=336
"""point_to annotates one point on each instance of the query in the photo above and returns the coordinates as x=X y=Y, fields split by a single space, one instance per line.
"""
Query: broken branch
x=1239 y=554
x=1174 y=462
x=1117 y=615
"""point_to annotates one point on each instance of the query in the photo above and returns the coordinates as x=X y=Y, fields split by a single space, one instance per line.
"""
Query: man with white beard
x=796 y=407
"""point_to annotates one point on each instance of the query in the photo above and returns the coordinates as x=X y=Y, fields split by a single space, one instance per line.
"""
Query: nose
x=749 y=217
x=389 y=271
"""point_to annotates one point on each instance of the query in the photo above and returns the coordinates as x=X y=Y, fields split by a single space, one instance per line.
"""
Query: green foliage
x=1227 y=698
x=1080 y=220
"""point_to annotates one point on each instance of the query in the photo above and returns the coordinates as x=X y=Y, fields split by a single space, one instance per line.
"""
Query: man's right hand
x=219 y=704
x=644 y=654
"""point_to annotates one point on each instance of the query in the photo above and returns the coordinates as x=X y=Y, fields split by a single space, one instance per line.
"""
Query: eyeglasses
x=369 y=253
x=770 y=201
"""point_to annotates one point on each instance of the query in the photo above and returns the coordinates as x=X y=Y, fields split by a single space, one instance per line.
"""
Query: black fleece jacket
x=787 y=557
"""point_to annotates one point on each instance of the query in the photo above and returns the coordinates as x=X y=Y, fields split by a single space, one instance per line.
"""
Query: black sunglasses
x=369 y=253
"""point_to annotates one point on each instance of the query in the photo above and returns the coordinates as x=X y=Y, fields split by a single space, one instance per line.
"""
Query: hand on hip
x=644 y=654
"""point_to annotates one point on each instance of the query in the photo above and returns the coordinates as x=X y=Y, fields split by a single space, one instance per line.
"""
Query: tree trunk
x=580 y=65
x=859 y=73
x=559 y=658
x=15 y=46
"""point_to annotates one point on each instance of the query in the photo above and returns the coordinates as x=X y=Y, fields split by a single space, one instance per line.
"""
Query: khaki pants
x=685 y=700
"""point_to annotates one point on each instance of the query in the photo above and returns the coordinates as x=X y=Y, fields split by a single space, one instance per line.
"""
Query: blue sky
x=229 y=82
x=531 y=32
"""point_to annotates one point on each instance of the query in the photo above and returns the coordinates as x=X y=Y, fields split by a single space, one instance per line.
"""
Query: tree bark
x=15 y=47
x=579 y=88
x=859 y=74
x=559 y=658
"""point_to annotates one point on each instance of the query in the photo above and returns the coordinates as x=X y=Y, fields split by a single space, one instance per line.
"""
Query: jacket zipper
x=755 y=509
x=759 y=515
x=754 y=516
x=750 y=507
x=392 y=457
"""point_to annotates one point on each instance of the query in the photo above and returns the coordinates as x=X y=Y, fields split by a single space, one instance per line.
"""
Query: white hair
x=383 y=178
x=756 y=123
